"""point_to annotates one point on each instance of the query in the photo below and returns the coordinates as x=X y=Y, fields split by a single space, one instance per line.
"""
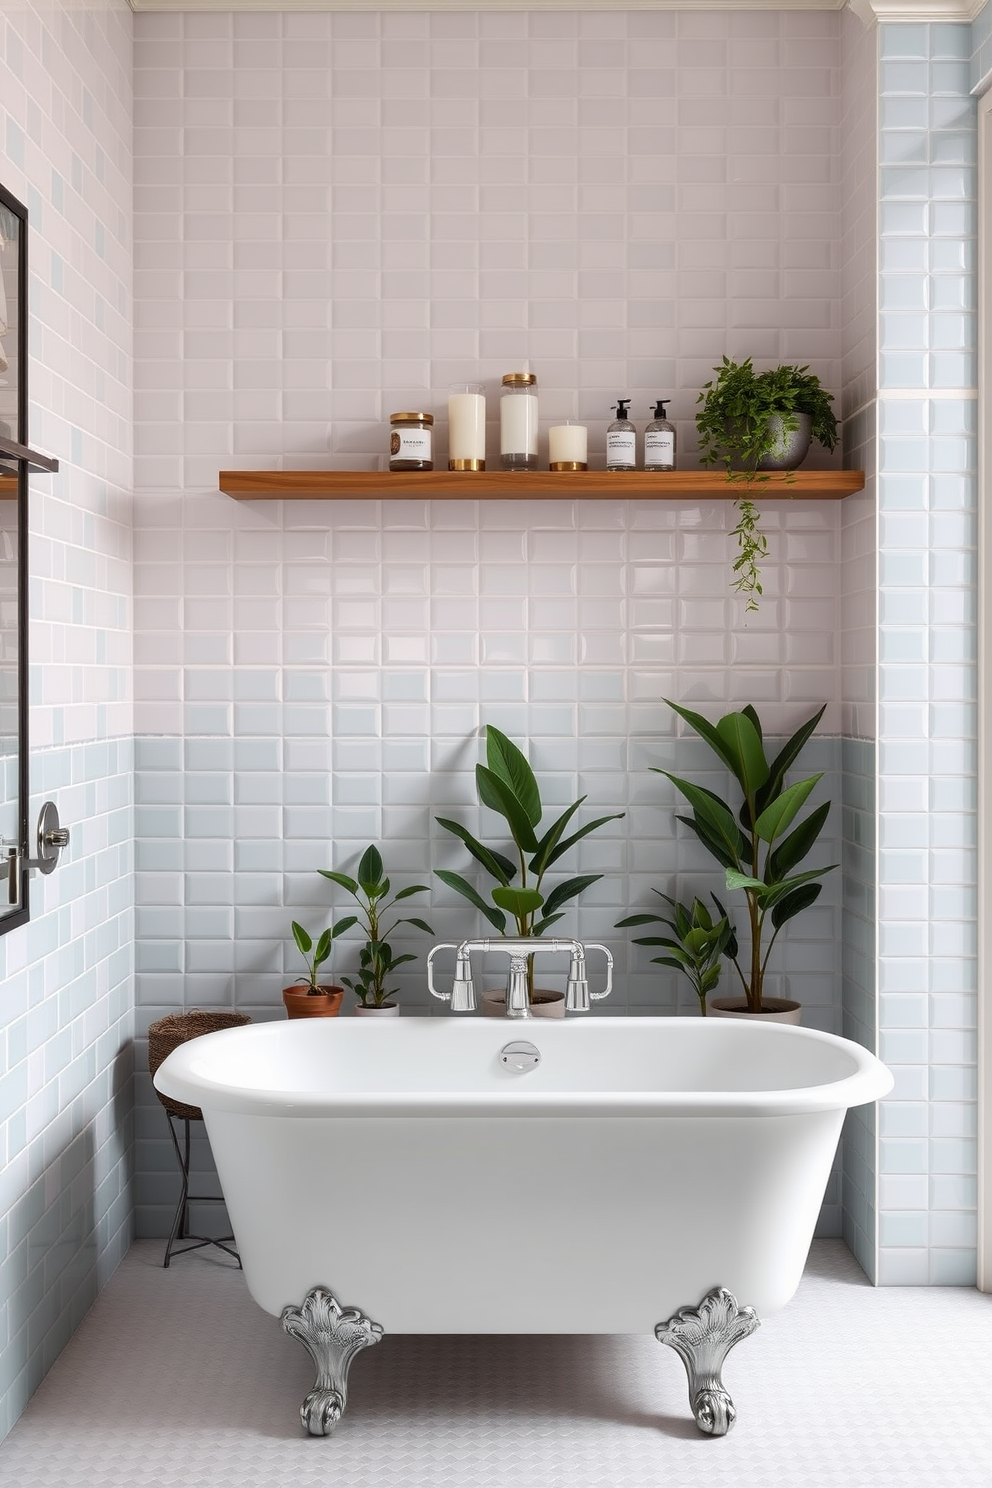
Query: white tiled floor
x=177 y=1378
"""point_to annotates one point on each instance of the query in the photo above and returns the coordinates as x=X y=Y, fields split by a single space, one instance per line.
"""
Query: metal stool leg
x=180 y=1225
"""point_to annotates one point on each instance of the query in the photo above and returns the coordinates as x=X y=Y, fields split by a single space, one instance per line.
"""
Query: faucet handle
x=577 y=993
x=462 y=994
x=446 y=945
x=593 y=945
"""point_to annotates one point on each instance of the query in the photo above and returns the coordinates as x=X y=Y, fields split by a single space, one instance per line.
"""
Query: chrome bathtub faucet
x=578 y=997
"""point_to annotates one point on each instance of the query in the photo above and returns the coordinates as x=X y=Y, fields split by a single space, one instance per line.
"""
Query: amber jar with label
x=411 y=441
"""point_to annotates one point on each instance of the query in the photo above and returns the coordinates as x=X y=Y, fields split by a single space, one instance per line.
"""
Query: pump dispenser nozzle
x=622 y=406
x=661 y=408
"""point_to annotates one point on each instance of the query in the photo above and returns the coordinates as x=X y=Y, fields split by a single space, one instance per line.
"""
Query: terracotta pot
x=545 y=1004
x=384 y=1010
x=773 y=1009
x=323 y=1004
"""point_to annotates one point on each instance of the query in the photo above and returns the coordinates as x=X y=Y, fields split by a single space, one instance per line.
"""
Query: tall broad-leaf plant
x=520 y=904
x=762 y=844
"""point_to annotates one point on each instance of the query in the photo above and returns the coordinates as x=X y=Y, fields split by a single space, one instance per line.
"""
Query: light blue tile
x=905 y=256
x=955 y=147
x=902 y=1229
x=253 y=754
x=953 y=1191
x=903 y=291
x=208 y=821
x=904 y=77
x=903 y=331
x=158 y=754
x=904 y=114
x=905 y=183
x=951 y=40
x=209 y=924
x=950 y=77
x=906 y=146
x=897 y=39
x=903 y=369
x=902 y=1155
x=269 y=718
x=902 y=219
x=952 y=1268
x=209 y=754
x=950 y=219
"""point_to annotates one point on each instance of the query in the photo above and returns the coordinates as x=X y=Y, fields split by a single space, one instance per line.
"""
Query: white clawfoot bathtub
x=641 y=1165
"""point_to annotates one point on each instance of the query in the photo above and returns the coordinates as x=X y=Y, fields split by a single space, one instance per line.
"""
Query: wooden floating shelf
x=533 y=485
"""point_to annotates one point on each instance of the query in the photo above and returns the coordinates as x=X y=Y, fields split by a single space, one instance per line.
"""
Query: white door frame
x=984 y=697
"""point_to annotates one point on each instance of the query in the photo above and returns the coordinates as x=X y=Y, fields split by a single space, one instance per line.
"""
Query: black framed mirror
x=17 y=461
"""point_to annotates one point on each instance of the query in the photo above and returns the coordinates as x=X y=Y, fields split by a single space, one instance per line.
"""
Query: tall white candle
x=568 y=444
x=467 y=425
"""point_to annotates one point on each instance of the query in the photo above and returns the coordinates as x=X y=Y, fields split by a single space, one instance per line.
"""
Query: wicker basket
x=178 y=1028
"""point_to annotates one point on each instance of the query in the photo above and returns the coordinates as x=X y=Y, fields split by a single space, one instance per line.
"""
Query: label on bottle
x=659 y=448
x=621 y=449
x=410 y=444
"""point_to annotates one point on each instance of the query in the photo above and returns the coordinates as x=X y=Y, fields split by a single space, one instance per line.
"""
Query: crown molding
x=870 y=12
x=141 y=6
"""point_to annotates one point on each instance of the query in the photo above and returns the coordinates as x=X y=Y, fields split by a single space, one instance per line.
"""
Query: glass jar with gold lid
x=411 y=441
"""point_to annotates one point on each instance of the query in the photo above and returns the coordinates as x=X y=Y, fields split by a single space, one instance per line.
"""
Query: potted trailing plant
x=309 y=997
x=507 y=785
x=761 y=844
x=377 y=961
x=752 y=422
x=695 y=945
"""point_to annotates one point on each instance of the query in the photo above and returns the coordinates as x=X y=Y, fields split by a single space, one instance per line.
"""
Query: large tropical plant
x=761 y=845
x=507 y=785
x=377 y=961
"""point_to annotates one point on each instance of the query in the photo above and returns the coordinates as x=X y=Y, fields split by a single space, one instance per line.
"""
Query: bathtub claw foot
x=332 y=1335
x=703 y=1337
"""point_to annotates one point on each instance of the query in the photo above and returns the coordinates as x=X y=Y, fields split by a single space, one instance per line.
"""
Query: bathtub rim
x=180 y=1077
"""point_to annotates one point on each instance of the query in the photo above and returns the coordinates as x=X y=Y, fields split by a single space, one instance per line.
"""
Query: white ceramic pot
x=387 y=1010
x=545 y=1004
x=773 y=1009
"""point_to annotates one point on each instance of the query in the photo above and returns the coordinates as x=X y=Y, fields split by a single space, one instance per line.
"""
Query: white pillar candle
x=467 y=428
x=568 y=444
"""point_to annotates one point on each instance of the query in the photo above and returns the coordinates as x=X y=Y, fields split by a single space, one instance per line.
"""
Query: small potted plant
x=695 y=945
x=507 y=785
x=377 y=960
x=309 y=997
x=751 y=423
x=758 y=843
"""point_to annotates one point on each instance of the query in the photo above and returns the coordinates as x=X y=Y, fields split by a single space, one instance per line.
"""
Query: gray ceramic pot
x=790 y=447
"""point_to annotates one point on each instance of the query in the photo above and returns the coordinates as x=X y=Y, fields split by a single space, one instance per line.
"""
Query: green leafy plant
x=316 y=953
x=744 y=417
x=695 y=946
x=761 y=845
x=377 y=961
x=507 y=785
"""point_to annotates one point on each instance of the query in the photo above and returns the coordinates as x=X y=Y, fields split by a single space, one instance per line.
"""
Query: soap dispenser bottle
x=621 y=440
x=659 y=439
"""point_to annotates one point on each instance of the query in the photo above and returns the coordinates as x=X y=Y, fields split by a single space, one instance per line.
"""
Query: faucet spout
x=517 y=997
